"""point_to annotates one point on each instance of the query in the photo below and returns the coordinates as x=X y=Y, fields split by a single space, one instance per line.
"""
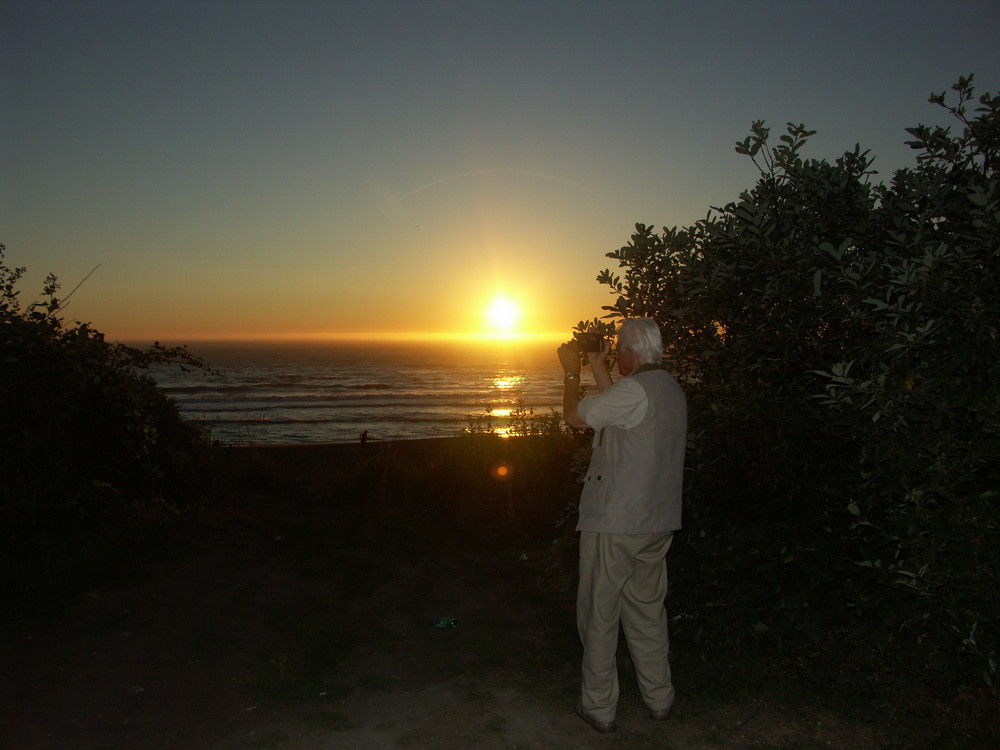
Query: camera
x=589 y=341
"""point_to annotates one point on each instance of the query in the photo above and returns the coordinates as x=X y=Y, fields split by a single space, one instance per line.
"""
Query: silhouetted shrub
x=839 y=343
x=88 y=444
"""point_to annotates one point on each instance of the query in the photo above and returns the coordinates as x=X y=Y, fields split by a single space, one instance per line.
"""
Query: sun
x=503 y=314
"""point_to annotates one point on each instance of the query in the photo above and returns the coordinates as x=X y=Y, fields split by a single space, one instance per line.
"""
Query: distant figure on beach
x=364 y=439
x=629 y=509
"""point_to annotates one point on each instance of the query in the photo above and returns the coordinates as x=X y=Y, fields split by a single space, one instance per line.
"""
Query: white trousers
x=623 y=580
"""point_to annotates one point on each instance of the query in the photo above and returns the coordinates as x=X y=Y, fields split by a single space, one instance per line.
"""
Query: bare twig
x=63 y=305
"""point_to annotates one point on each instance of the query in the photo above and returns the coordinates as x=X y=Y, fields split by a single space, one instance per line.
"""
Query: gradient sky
x=264 y=168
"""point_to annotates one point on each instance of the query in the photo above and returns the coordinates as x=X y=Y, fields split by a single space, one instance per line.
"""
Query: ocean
x=331 y=392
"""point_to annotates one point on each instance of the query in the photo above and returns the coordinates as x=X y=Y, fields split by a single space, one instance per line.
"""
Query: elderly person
x=630 y=507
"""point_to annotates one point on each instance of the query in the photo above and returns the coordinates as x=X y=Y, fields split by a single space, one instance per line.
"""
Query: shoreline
x=334 y=444
x=306 y=457
x=424 y=441
x=371 y=444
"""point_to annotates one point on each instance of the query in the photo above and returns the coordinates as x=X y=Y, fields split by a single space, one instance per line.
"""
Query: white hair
x=642 y=336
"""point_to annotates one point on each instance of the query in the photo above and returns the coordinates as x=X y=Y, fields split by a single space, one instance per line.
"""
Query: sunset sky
x=259 y=168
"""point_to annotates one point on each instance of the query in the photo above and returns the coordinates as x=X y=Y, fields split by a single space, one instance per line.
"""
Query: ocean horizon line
x=354 y=337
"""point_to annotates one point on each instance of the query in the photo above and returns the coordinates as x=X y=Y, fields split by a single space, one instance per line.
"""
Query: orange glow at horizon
x=460 y=337
x=496 y=314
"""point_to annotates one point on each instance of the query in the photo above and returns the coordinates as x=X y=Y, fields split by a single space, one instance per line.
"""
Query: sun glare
x=503 y=314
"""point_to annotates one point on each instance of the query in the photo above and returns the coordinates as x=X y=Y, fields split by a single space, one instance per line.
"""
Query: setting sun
x=503 y=314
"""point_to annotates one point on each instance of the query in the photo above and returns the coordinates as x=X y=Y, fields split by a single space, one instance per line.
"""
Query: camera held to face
x=589 y=341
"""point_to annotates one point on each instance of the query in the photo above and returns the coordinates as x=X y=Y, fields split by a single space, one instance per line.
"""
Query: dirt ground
x=294 y=621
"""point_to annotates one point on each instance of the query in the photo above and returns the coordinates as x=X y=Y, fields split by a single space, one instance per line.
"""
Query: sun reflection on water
x=508 y=386
x=507 y=382
x=500 y=412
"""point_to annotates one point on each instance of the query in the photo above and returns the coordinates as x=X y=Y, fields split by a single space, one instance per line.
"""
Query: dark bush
x=90 y=450
x=839 y=342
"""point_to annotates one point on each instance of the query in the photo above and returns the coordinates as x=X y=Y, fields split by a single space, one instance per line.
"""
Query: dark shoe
x=661 y=715
x=600 y=726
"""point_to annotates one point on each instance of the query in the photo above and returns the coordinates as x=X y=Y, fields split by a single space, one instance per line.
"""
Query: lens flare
x=501 y=471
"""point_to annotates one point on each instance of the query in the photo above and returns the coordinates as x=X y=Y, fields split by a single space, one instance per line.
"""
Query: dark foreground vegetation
x=838 y=341
x=91 y=452
x=296 y=610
